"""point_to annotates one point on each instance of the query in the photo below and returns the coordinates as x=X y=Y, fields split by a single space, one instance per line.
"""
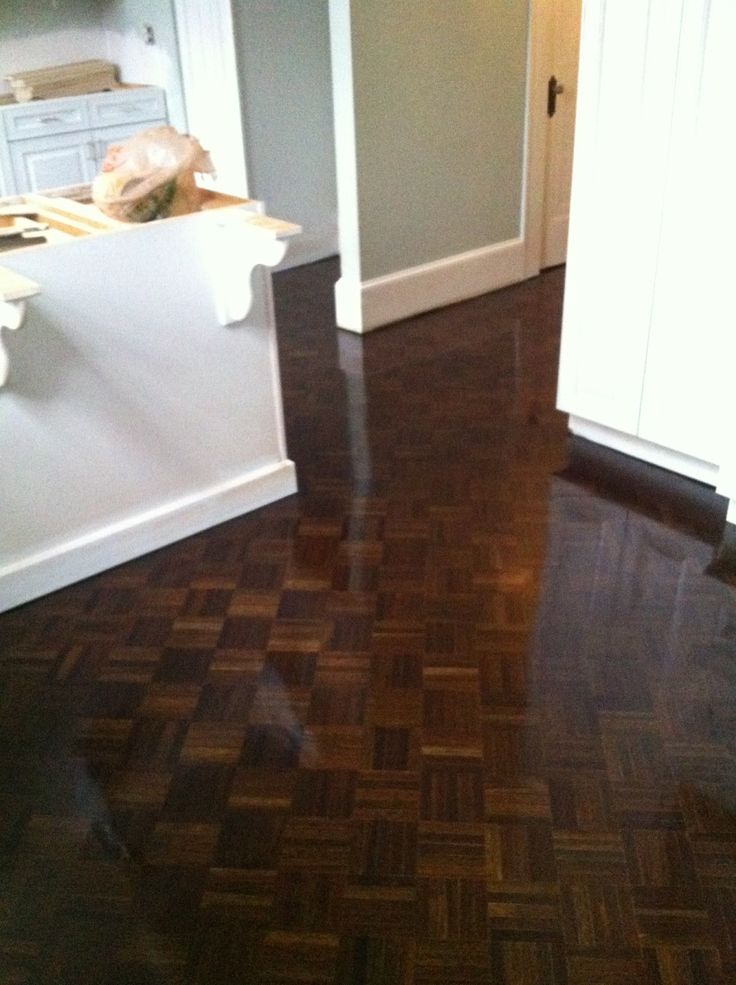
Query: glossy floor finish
x=458 y=713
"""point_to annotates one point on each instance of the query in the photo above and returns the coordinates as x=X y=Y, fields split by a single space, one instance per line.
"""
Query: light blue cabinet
x=52 y=162
x=55 y=143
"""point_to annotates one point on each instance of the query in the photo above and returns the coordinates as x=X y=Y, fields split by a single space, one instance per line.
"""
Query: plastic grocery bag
x=151 y=176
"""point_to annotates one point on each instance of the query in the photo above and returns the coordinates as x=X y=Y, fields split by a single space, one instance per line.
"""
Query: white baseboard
x=116 y=543
x=629 y=444
x=554 y=246
x=362 y=306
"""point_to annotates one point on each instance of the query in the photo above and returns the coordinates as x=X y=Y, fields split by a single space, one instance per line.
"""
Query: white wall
x=37 y=35
x=283 y=49
x=157 y=64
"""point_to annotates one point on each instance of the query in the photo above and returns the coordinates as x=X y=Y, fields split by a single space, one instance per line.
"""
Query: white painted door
x=648 y=318
x=692 y=321
x=628 y=68
x=564 y=36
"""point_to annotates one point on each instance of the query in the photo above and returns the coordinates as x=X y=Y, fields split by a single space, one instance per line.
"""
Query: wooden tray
x=75 y=79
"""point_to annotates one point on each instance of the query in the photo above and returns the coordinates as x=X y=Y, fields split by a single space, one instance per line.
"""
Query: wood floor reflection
x=462 y=711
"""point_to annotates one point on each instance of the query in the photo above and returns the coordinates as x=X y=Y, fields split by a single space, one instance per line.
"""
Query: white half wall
x=132 y=414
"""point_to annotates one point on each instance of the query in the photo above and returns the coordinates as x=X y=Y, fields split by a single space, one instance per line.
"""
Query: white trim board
x=346 y=164
x=137 y=535
x=364 y=306
x=647 y=451
x=537 y=132
x=212 y=88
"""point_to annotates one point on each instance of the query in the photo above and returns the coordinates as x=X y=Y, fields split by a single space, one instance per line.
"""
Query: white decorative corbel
x=14 y=289
x=241 y=241
x=12 y=314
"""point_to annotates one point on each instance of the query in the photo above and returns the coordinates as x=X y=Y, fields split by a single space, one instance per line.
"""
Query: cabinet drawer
x=46 y=117
x=110 y=109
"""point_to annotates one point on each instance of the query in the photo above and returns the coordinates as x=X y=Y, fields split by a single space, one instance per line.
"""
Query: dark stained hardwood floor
x=462 y=712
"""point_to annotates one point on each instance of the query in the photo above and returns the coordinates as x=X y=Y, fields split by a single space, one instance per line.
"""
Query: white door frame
x=537 y=132
x=211 y=87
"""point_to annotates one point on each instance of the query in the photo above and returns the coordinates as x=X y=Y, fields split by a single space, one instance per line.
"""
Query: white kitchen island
x=142 y=400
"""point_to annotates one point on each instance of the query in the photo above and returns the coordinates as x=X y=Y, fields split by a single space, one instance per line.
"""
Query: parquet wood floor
x=449 y=716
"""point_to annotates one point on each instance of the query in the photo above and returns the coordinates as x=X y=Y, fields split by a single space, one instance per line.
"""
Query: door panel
x=685 y=403
x=627 y=89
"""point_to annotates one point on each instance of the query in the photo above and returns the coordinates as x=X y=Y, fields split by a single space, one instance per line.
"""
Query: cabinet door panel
x=52 y=162
x=626 y=90
x=689 y=379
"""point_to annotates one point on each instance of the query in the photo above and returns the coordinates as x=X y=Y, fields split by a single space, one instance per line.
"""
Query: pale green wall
x=21 y=19
x=440 y=90
x=283 y=49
